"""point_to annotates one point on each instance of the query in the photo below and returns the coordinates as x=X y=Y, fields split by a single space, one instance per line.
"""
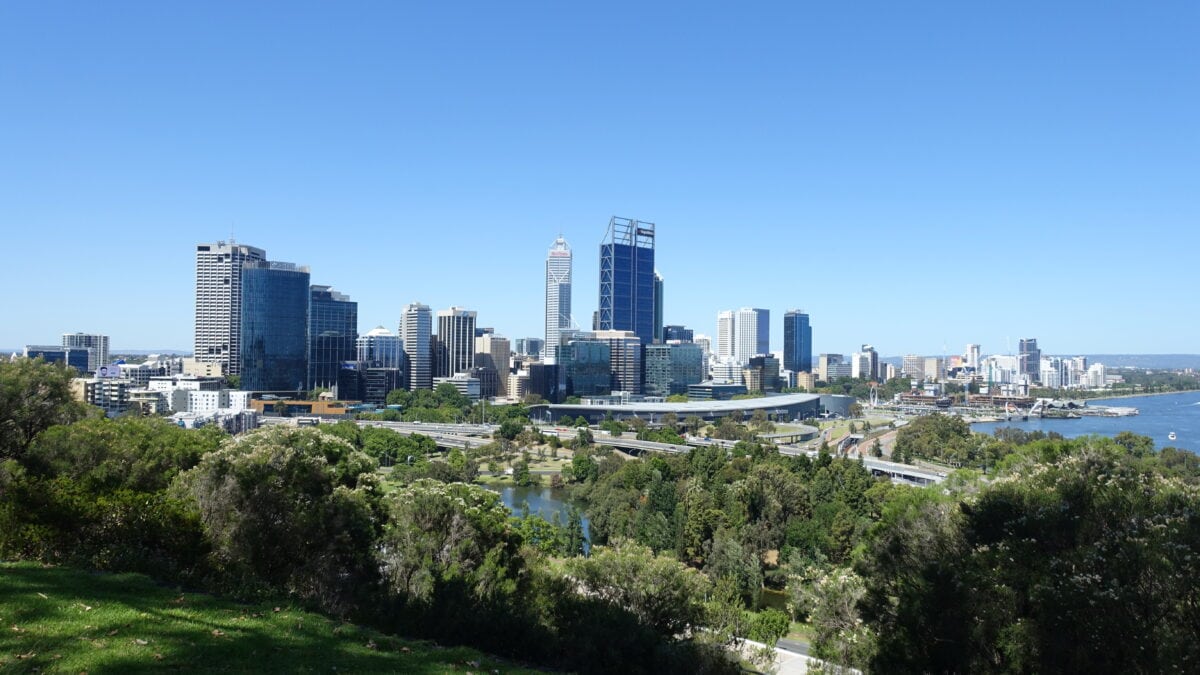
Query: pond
x=543 y=501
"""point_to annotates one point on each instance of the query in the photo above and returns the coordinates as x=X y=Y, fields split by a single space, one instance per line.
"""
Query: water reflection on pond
x=544 y=501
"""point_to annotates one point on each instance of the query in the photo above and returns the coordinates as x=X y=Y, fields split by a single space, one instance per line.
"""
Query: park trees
x=34 y=396
x=290 y=510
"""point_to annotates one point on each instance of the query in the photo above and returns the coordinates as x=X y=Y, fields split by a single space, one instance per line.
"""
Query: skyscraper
x=558 y=295
x=219 y=302
x=725 y=329
x=627 y=278
x=752 y=334
x=274 y=327
x=1031 y=358
x=97 y=346
x=456 y=334
x=797 y=342
x=332 y=334
x=416 y=326
x=658 y=308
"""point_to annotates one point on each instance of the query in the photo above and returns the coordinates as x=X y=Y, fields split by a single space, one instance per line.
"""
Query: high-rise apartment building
x=456 y=337
x=627 y=278
x=96 y=345
x=219 y=302
x=797 y=342
x=752 y=331
x=416 y=328
x=332 y=335
x=725 y=334
x=558 y=295
x=274 y=327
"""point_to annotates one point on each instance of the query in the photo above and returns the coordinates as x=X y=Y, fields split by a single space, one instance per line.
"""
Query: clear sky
x=913 y=175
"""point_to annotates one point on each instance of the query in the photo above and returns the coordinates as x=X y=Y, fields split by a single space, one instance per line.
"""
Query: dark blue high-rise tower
x=274 y=327
x=627 y=278
x=797 y=342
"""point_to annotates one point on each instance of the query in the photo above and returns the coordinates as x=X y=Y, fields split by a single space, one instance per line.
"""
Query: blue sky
x=913 y=175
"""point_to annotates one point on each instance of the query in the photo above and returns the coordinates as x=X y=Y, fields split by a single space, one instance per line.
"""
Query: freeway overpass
x=473 y=435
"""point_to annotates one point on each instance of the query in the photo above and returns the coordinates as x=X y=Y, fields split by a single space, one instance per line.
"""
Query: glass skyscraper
x=274 y=327
x=627 y=278
x=332 y=334
x=797 y=342
x=670 y=368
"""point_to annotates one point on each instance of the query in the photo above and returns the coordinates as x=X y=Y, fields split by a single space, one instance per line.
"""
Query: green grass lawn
x=63 y=620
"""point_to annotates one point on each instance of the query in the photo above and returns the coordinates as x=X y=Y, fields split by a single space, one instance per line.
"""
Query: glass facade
x=797 y=342
x=274 y=327
x=627 y=279
x=670 y=369
x=586 y=367
x=332 y=335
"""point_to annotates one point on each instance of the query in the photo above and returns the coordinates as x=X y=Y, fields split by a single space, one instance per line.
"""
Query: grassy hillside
x=64 y=620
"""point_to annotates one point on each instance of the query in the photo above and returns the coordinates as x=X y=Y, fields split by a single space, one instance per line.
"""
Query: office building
x=558 y=296
x=416 y=328
x=544 y=381
x=219 y=302
x=824 y=364
x=627 y=278
x=678 y=334
x=658 y=308
x=380 y=348
x=797 y=342
x=912 y=366
x=493 y=355
x=584 y=368
x=971 y=357
x=1031 y=358
x=865 y=364
x=762 y=374
x=934 y=369
x=332 y=335
x=465 y=384
x=626 y=350
x=455 y=341
x=274 y=327
x=752 y=330
x=671 y=368
x=96 y=345
x=75 y=358
x=725 y=334
x=532 y=347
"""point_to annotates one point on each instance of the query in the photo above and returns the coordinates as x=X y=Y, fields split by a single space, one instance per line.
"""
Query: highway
x=474 y=435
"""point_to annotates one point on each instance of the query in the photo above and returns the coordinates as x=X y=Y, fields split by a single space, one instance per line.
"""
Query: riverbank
x=1117 y=397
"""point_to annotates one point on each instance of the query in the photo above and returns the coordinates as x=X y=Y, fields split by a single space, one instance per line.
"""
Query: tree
x=510 y=429
x=291 y=510
x=34 y=395
x=664 y=594
x=876 y=448
x=694 y=424
x=769 y=626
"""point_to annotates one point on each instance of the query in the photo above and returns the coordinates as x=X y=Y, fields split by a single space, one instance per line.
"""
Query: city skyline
x=951 y=150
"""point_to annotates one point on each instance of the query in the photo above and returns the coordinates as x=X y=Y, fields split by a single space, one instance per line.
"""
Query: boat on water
x=1171 y=436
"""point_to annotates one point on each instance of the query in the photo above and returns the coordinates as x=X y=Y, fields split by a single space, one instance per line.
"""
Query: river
x=1158 y=417
x=543 y=501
